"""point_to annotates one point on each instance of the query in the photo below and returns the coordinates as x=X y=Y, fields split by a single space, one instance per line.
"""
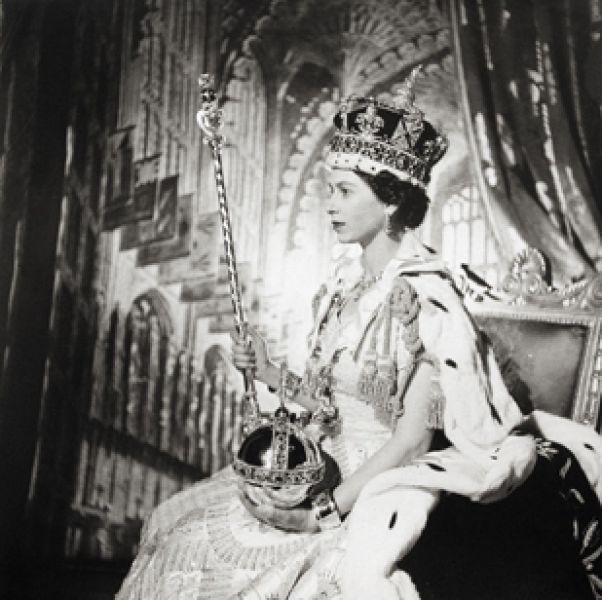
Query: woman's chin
x=345 y=238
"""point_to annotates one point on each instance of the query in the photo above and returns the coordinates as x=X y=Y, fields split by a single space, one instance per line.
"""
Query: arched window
x=221 y=417
x=146 y=348
x=464 y=235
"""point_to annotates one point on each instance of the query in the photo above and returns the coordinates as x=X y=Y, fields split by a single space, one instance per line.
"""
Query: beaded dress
x=203 y=544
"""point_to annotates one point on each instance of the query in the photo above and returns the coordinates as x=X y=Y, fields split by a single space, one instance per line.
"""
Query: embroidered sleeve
x=392 y=347
x=436 y=402
x=405 y=309
x=415 y=350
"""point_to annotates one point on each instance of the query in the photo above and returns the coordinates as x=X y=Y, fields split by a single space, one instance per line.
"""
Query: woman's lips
x=336 y=225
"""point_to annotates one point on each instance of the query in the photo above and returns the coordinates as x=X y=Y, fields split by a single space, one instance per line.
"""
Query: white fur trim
x=358 y=162
x=381 y=530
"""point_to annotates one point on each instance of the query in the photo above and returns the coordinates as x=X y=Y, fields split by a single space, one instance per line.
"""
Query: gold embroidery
x=437 y=403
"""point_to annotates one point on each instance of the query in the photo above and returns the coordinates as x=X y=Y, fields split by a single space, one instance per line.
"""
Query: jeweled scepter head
x=210 y=117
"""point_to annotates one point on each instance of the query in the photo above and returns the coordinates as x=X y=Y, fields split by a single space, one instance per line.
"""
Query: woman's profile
x=407 y=398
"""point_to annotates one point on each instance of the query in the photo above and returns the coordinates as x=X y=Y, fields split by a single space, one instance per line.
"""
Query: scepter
x=210 y=120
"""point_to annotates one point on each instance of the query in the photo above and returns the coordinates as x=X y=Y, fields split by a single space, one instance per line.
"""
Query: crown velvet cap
x=372 y=136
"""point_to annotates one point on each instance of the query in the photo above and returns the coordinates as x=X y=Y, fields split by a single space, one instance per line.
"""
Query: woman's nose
x=331 y=204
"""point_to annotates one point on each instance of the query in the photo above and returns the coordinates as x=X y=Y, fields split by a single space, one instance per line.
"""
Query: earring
x=388 y=226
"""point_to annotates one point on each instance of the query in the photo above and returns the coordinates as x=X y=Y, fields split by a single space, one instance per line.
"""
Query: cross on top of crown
x=369 y=123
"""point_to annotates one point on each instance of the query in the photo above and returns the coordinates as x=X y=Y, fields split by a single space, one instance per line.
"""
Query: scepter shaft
x=224 y=213
x=209 y=119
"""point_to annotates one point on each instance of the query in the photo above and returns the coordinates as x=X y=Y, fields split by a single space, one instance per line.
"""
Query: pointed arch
x=160 y=307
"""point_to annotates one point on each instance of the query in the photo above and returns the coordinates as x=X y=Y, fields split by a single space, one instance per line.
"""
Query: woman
x=406 y=397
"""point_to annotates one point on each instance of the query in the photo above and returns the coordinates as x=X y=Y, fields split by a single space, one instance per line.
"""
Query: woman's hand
x=297 y=519
x=250 y=352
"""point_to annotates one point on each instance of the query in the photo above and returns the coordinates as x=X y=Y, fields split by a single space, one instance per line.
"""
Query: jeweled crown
x=373 y=135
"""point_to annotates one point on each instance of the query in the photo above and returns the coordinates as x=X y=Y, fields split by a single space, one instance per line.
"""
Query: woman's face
x=356 y=213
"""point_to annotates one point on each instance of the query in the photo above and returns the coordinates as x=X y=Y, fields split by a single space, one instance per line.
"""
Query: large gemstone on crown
x=278 y=462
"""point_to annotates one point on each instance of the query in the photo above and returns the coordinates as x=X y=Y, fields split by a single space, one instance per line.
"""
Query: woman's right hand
x=250 y=351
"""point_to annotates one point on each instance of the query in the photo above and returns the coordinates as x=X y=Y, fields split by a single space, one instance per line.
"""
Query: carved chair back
x=548 y=341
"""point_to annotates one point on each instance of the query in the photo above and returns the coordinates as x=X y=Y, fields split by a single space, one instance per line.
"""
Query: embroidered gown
x=203 y=544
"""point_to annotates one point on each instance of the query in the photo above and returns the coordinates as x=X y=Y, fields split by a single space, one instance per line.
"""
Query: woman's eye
x=344 y=191
x=329 y=190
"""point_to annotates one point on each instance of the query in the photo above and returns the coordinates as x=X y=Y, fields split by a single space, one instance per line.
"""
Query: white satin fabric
x=202 y=544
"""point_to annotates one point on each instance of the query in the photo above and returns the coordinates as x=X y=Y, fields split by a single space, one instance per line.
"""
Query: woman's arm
x=252 y=353
x=410 y=439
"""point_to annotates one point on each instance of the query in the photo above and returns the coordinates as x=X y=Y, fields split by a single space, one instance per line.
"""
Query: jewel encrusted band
x=264 y=475
x=350 y=151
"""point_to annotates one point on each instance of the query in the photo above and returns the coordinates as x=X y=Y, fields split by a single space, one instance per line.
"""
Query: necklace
x=367 y=281
x=363 y=285
x=356 y=291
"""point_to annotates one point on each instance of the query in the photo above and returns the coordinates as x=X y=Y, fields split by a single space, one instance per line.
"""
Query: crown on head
x=372 y=136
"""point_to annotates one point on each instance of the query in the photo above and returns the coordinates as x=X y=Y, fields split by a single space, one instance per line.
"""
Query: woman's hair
x=411 y=201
